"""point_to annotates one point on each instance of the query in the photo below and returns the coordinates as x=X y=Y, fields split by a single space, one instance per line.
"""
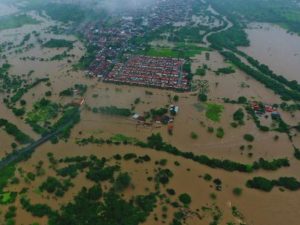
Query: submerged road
x=19 y=154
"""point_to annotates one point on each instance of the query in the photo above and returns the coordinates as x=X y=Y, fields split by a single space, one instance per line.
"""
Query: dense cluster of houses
x=261 y=109
x=151 y=72
x=114 y=36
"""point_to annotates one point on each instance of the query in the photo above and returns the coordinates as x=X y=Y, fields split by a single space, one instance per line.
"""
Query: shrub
x=207 y=177
x=185 y=199
x=210 y=129
x=122 y=182
x=220 y=132
x=239 y=115
x=194 y=135
x=237 y=191
x=260 y=183
x=202 y=97
x=176 y=98
x=249 y=137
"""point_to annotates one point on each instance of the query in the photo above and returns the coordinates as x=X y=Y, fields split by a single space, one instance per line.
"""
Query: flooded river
x=275 y=47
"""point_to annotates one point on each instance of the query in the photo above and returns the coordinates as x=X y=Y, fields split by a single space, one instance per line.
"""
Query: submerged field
x=109 y=167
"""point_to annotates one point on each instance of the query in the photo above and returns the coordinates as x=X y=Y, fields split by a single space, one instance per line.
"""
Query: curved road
x=225 y=20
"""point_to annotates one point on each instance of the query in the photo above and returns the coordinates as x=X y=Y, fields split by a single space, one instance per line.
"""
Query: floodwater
x=186 y=180
x=59 y=72
x=275 y=47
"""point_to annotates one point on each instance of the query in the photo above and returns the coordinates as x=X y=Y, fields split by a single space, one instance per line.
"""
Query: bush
x=207 y=177
x=242 y=100
x=202 y=97
x=176 y=98
x=239 y=115
x=220 y=132
x=237 y=191
x=122 y=182
x=210 y=129
x=185 y=199
x=194 y=135
x=260 y=183
x=249 y=137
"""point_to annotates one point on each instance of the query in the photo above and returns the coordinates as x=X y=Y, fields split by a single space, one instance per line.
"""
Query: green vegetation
x=16 y=21
x=58 y=43
x=269 y=82
x=229 y=39
x=86 y=60
x=64 y=12
x=122 y=182
x=200 y=71
x=239 y=116
x=194 y=135
x=202 y=97
x=181 y=50
x=94 y=204
x=213 y=111
x=225 y=70
x=162 y=52
x=220 y=132
x=185 y=199
x=70 y=117
x=156 y=142
x=41 y=115
x=53 y=185
x=13 y=130
x=80 y=88
x=237 y=191
x=249 y=137
x=23 y=90
x=264 y=184
x=285 y=14
x=297 y=153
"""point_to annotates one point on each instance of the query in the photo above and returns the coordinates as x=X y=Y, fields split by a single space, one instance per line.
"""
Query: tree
x=155 y=141
x=122 y=182
x=260 y=183
x=239 y=115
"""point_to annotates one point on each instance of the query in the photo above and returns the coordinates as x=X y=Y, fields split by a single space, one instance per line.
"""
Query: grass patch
x=214 y=111
x=120 y=138
x=43 y=111
x=7 y=197
x=181 y=50
x=39 y=118
x=162 y=52
x=16 y=21
x=6 y=173
x=58 y=43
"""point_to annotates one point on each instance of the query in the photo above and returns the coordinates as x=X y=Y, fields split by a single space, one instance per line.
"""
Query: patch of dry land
x=112 y=168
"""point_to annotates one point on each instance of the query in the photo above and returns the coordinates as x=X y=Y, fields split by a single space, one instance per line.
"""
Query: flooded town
x=149 y=112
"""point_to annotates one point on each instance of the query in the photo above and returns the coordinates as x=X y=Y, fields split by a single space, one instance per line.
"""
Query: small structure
x=174 y=110
x=78 y=102
x=275 y=115
x=170 y=128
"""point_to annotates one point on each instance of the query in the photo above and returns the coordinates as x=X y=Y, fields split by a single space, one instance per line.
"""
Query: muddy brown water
x=275 y=47
x=257 y=207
